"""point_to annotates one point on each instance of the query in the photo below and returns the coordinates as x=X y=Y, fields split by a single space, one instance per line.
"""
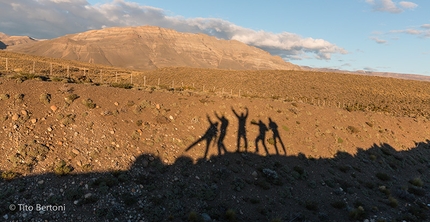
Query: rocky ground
x=99 y=153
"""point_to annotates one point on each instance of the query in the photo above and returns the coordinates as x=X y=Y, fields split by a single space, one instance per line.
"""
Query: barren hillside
x=171 y=153
x=7 y=41
x=150 y=47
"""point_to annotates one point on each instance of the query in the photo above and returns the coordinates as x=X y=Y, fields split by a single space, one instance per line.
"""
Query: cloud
x=370 y=69
x=408 y=5
x=390 y=6
x=379 y=41
x=53 y=18
x=424 y=32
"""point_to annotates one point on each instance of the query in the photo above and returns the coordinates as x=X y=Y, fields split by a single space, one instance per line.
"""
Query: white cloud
x=390 y=6
x=408 y=5
x=346 y=65
x=53 y=18
x=378 y=40
x=424 y=32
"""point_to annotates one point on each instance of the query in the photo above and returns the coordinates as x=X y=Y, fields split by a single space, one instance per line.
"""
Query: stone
x=75 y=151
x=33 y=121
x=54 y=108
x=145 y=163
x=206 y=217
x=40 y=182
x=157 y=106
x=24 y=112
x=15 y=117
x=116 y=103
x=88 y=195
x=270 y=174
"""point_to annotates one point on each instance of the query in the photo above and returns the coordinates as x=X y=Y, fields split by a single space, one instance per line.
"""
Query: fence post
x=7 y=65
x=50 y=71
x=68 y=72
x=34 y=64
x=101 y=76
x=144 y=81
x=131 y=78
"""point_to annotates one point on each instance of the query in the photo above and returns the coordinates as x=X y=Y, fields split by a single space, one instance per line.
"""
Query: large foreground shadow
x=377 y=183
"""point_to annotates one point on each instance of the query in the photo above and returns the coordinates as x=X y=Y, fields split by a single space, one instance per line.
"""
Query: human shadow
x=262 y=128
x=210 y=134
x=274 y=128
x=222 y=134
x=241 y=132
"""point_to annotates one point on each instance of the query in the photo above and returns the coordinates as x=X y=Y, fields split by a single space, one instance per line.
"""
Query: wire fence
x=118 y=77
x=134 y=79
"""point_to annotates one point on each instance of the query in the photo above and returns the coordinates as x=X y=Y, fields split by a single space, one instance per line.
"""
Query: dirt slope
x=122 y=146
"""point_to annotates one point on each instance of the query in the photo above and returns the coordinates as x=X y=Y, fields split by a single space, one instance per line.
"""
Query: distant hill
x=7 y=41
x=370 y=73
x=149 y=47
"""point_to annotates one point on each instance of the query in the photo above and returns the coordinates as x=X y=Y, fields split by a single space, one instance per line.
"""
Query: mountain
x=370 y=73
x=7 y=41
x=149 y=47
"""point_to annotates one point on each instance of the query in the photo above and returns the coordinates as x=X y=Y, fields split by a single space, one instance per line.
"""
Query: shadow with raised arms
x=241 y=132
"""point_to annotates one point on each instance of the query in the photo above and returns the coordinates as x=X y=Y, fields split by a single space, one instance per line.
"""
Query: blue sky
x=373 y=35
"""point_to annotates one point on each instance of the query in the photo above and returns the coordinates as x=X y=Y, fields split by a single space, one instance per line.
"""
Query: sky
x=370 y=35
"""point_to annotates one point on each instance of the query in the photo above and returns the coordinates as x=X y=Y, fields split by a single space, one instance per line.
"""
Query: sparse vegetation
x=393 y=202
x=9 y=175
x=353 y=129
x=230 y=215
x=89 y=103
x=417 y=182
x=70 y=98
x=45 y=98
x=4 y=96
x=122 y=85
x=61 y=168
x=19 y=97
